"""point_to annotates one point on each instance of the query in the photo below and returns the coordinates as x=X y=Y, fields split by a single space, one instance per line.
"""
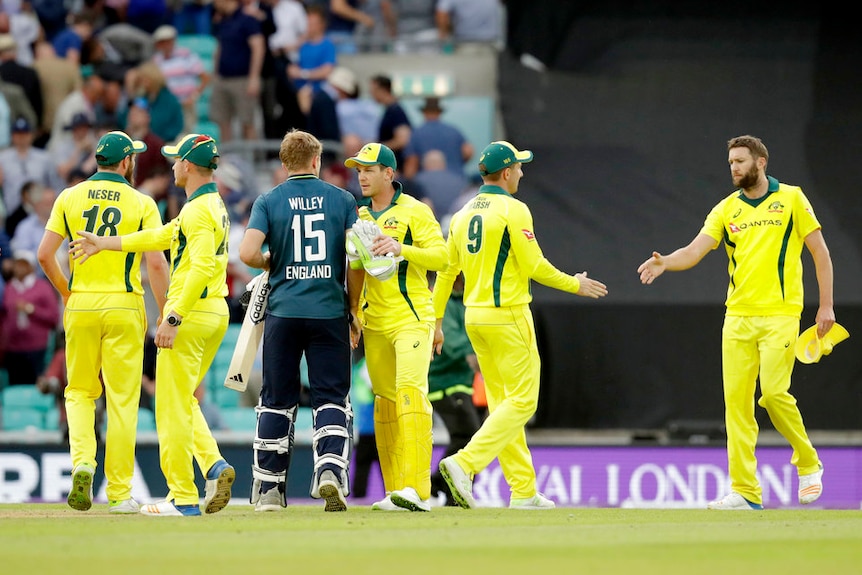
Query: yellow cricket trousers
x=105 y=332
x=183 y=432
x=752 y=347
x=504 y=340
x=397 y=363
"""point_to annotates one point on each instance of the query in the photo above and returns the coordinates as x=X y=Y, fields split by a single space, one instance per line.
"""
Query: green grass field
x=48 y=539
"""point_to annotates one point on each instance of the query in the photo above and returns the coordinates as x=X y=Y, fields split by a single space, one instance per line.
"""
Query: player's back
x=484 y=233
x=305 y=220
x=105 y=205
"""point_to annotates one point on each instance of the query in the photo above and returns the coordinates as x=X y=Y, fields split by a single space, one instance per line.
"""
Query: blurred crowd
x=72 y=70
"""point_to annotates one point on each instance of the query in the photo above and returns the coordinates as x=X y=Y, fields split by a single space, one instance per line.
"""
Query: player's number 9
x=474 y=234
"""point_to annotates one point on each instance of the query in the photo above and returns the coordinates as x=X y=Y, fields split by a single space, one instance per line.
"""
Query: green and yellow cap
x=114 y=146
x=499 y=155
x=372 y=154
x=199 y=149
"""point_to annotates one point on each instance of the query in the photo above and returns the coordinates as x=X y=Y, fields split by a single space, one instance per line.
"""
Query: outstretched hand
x=85 y=246
x=590 y=287
x=652 y=268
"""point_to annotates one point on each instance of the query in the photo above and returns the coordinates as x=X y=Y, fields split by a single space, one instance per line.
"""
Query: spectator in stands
x=29 y=232
x=291 y=24
x=69 y=43
x=166 y=112
x=122 y=43
x=358 y=118
x=51 y=15
x=153 y=174
x=57 y=78
x=317 y=56
x=31 y=193
x=31 y=312
x=435 y=134
x=25 y=76
x=344 y=18
x=5 y=122
x=24 y=27
x=21 y=163
x=194 y=17
x=394 y=130
x=238 y=65
x=83 y=101
x=320 y=106
x=75 y=154
x=111 y=108
x=146 y=14
x=16 y=100
x=439 y=186
x=184 y=73
x=469 y=24
x=411 y=25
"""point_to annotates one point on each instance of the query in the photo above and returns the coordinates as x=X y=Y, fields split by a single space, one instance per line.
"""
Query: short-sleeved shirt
x=314 y=55
x=198 y=240
x=763 y=239
x=437 y=135
x=393 y=117
x=305 y=221
x=182 y=70
x=492 y=240
x=405 y=297
x=234 y=52
x=107 y=205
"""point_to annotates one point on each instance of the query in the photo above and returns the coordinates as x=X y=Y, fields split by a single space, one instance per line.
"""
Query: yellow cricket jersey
x=107 y=205
x=763 y=239
x=405 y=297
x=491 y=240
x=198 y=240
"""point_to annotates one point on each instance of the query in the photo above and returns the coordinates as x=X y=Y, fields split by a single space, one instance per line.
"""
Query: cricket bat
x=250 y=334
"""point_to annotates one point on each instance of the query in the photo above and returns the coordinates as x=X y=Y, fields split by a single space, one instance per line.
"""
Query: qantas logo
x=529 y=234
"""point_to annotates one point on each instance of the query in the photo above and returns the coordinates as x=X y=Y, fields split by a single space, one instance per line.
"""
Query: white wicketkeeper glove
x=358 y=244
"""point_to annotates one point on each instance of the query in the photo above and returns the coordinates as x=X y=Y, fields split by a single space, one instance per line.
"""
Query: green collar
x=492 y=189
x=772 y=188
x=209 y=188
x=110 y=177
x=398 y=188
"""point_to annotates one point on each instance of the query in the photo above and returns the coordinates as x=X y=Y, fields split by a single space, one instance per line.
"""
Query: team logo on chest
x=775 y=207
x=390 y=223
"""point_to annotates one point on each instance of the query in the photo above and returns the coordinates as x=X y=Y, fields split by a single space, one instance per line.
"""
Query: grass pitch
x=48 y=539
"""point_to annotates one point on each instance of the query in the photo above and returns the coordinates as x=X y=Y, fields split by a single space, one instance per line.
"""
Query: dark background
x=629 y=124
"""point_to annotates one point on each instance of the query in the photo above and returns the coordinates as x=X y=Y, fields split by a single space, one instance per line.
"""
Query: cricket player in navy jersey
x=304 y=222
x=491 y=240
x=763 y=224
x=104 y=317
x=398 y=328
x=195 y=321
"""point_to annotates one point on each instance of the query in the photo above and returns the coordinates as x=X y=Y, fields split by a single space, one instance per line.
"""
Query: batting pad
x=331 y=444
x=273 y=446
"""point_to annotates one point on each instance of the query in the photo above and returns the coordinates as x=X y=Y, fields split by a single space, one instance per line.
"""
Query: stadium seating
x=146 y=420
x=239 y=418
x=26 y=396
x=202 y=45
x=22 y=418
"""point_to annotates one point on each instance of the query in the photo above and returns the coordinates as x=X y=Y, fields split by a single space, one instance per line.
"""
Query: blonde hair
x=298 y=149
x=150 y=71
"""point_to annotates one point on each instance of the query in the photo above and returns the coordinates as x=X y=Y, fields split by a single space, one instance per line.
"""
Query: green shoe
x=81 y=495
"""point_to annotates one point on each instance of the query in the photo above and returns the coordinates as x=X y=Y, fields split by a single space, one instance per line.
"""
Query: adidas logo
x=237 y=378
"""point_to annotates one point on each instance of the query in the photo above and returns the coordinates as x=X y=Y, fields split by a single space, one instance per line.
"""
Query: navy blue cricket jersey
x=304 y=220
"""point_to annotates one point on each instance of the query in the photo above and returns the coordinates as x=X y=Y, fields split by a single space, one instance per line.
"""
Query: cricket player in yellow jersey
x=491 y=240
x=763 y=224
x=195 y=321
x=398 y=327
x=104 y=317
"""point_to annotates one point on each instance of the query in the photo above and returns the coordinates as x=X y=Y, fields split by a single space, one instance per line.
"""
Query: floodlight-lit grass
x=47 y=539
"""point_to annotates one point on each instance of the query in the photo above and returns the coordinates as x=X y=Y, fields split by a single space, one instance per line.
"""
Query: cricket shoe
x=330 y=491
x=811 y=486
x=220 y=477
x=733 y=501
x=169 y=509
x=386 y=504
x=272 y=500
x=460 y=483
x=408 y=499
x=81 y=495
x=124 y=506
x=537 y=501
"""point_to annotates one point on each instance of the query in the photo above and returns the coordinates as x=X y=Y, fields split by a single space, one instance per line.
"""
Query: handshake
x=359 y=243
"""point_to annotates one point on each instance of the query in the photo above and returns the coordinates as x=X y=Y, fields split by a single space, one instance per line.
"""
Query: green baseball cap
x=114 y=146
x=372 y=154
x=499 y=155
x=199 y=149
